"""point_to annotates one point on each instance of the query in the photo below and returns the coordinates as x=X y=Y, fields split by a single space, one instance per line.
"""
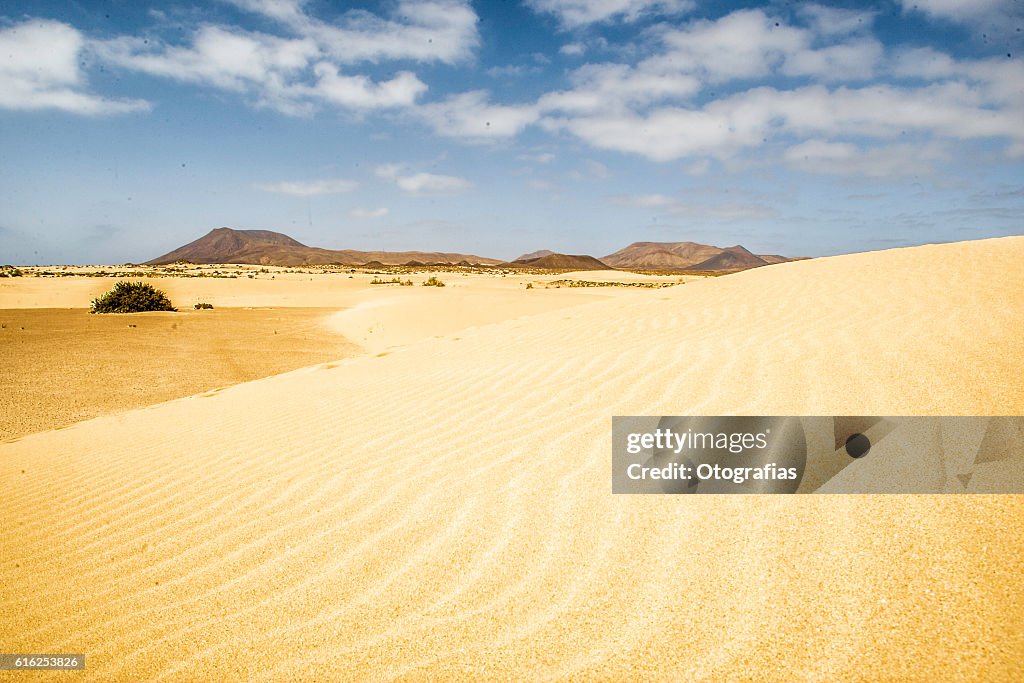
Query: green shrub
x=433 y=282
x=203 y=306
x=10 y=271
x=407 y=283
x=132 y=297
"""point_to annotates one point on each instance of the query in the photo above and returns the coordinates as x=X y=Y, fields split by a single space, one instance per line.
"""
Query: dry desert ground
x=416 y=483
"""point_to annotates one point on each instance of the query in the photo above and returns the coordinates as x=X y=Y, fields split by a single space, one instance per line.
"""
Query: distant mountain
x=267 y=248
x=535 y=254
x=552 y=261
x=730 y=258
x=687 y=256
x=661 y=255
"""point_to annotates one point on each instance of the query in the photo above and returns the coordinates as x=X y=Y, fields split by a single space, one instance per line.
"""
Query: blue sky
x=496 y=128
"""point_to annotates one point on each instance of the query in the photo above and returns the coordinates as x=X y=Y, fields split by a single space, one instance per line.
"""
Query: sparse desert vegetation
x=132 y=297
x=589 y=283
x=10 y=271
x=392 y=281
x=203 y=306
x=433 y=281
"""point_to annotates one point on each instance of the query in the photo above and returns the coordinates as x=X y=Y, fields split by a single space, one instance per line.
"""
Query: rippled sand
x=441 y=509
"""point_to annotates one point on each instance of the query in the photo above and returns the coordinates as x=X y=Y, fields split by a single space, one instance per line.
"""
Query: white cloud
x=272 y=69
x=573 y=49
x=648 y=109
x=359 y=92
x=422 y=183
x=843 y=158
x=744 y=44
x=726 y=126
x=577 y=13
x=422 y=30
x=851 y=61
x=699 y=210
x=472 y=116
x=959 y=10
x=225 y=58
x=39 y=69
x=539 y=158
x=281 y=10
x=298 y=73
x=512 y=71
x=833 y=21
x=310 y=188
x=592 y=169
x=369 y=213
x=661 y=135
x=599 y=87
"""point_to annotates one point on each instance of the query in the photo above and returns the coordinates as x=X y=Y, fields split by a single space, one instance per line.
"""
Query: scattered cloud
x=577 y=13
x=594 y=170
x=40 y=69
x=472 y=116
x=835 y=21
x=226 y=58
x=539 y=158
x=959 y=10
x=843 y=158
x=420 y=30
x=272 y=69
x=369 y=213
x=359 y=92
x=699 y=210
x=299 y=72
x=573 y=49
x=955 y=110
x=310 y=188
x=513 y=71
x=422 y=183
x=604 y=87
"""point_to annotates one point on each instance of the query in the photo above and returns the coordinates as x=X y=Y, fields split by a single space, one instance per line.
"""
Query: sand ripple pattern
x=444 y=511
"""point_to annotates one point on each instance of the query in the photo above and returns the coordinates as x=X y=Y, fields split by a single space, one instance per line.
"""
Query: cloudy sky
x=495 y=128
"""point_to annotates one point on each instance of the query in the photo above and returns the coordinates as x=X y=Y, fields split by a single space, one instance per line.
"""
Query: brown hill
x=267 y=248
x=687 y=256
x=534 y=254
x=730 y=258
x=661 y=255
x=562 y=262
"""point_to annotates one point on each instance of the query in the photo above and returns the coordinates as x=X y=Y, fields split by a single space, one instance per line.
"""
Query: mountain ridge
x=688 y=256
x=269 y=248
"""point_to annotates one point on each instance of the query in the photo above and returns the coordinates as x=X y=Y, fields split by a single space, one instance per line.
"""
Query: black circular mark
x=858 y=445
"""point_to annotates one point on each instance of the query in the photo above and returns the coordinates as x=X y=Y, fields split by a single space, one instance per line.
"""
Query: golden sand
x=66 y=365
x=443 y=511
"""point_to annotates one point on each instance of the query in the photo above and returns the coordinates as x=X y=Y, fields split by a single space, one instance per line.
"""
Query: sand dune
x=64 y=365
x=444 y=511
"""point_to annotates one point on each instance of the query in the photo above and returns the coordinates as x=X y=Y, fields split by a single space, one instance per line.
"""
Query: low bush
x=203 y=306
x=132 y=297
x=433 y=282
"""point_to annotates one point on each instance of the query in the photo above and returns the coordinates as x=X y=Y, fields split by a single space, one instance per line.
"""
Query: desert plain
x=325 y=479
